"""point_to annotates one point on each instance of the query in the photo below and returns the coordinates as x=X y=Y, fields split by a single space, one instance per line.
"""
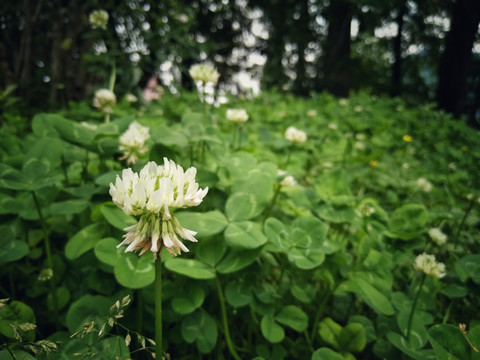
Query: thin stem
x=465 y=215
x=289 y=154
x=234 y=140
x=319 y=313
x=240 y=128
x=230 y=345
x=158 y=309
x=48 y=251
x=410 y=318
x=272 y=203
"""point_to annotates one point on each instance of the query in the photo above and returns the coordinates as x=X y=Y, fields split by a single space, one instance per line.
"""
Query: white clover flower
x=358 y=108
x=405 y=166
x=294 y=135
x=437 y=236
x=360 y=136
x=424 y=185
x=312 y=113
x=204 y=73
x=237 y=116
x=359 y=145
x=452 y=166
x=104 y=100
x=45 y=274
x=365 y=210
x=332 y=126
x=132 y=142
x=153 y=194
x=98 y=19
x=288 y=181
x=130 y=98
x=343 y=102
x=428 y=265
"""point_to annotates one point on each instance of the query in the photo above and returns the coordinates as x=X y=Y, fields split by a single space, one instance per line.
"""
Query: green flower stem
x=234 y=140
x=410 y=318
x=141 y=305
x=230 y=345
x=240 y=129
x=268 y=211
x=158 y=309
x=48 y=251
x=465 y=215
x=319 y=314
x=289 y=154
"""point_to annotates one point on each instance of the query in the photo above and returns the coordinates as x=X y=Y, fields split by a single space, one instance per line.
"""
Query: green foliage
x=318 y=269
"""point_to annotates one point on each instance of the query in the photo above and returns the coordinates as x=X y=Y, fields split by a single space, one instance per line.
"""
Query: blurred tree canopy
x=419 y=49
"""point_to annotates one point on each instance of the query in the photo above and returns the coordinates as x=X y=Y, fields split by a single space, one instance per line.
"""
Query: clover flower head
x=365 y=210
x=360 y=136
x=204 y=73
x=98 y=19
x=132 y=142
x=428 y=265
x=312 y=113
x=332 y=126
x=424 y=185
x=343 y=102
x=130 y=98
x=295 y=135
x=104 y=100
x=237 y=116
x=288 y=181
x=153 y=194
x=437 y=236
x=45 y=274
x=358 y=109
x=359 y=145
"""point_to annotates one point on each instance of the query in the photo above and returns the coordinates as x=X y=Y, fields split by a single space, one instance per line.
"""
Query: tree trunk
x=300 y=86
x=396 y=89
x=458 y=49
x=55 y=55
x=336 y=63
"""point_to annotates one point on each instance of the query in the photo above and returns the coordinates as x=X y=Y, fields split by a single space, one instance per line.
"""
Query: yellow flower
x=407 y=138
x=373 y=163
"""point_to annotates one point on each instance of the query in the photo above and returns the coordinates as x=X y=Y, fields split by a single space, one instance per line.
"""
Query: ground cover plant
x=352 y=235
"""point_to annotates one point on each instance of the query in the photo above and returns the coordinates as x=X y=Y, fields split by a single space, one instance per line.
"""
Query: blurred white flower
x=343 y=102
x=358 y=108
x=132 y=142
x=152 y=194
x=359 y=145
x=237 y=116
x=365 y=210
x=333 y=126
x=296 y=136
x=428 y=265
x=312 y=113
x=45 y=274
x=288 y=181
x=131 y=98
x=104 y=100
x=204 y=73
x=424 y=185
x=437 y=236
x=98 y=19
